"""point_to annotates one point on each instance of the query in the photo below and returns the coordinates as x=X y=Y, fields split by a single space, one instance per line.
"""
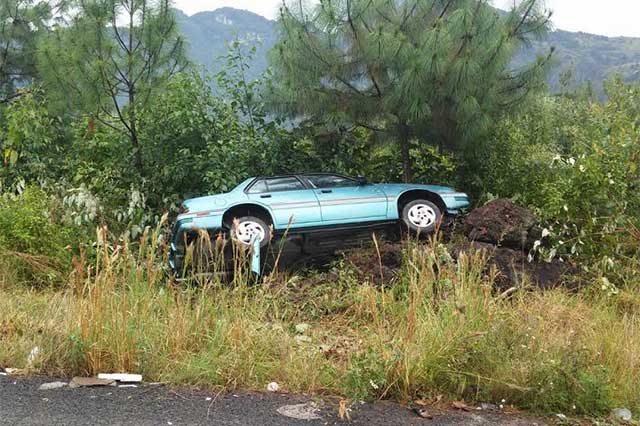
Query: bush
x=36 y=247
x=576 y=164
x=31 y=143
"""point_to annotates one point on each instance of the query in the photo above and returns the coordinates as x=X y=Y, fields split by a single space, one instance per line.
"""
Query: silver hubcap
x=245 y=231
x=422 y=215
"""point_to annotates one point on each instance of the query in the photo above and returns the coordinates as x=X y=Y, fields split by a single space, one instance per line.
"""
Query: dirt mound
x=376 y=270
x=502 y=223
x=514 y=267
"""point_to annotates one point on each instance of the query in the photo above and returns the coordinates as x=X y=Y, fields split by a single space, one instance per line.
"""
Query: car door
x=343 y=200
x=289 y=200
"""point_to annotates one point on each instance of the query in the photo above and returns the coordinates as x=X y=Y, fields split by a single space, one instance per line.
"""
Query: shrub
x=576 y=164
x=36 y=247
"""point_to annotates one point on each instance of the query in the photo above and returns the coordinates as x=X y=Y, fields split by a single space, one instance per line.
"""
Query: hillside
x=594 y=58
x=591 y=57
x=208 y=33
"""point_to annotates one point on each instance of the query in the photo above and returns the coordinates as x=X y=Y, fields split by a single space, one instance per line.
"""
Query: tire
x=421 y=216
x=243 y=228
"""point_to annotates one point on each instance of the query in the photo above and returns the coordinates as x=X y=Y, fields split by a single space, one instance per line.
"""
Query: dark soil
x=504 y=224
x=514 y=268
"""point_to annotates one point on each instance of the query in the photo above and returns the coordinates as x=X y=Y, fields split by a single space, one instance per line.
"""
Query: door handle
x=266 y=196
x=326 y=191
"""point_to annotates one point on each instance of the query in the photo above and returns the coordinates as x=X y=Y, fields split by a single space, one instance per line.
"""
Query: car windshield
x=330 y=181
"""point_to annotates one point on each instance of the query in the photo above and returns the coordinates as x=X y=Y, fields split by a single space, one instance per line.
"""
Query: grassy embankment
x=438 y=330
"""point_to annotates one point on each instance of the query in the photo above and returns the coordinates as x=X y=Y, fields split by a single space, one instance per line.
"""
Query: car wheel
x=421 y=216
x=245 y=228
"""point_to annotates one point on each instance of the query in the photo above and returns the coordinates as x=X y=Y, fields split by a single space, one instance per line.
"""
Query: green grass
x=439 y=330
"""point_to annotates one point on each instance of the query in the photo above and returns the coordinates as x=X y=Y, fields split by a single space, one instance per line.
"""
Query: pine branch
x=357 y=39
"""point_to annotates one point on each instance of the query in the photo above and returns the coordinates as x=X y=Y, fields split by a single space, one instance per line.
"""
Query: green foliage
x=436 y=71
x=110 y=59
x=366 y=376
x=22 y=23
x=35 y=243
x=194 y=143
x=571 y=382
x=32 y=144
x=576 y=163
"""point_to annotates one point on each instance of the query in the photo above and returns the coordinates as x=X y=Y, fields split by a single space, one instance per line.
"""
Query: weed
x=439 y=329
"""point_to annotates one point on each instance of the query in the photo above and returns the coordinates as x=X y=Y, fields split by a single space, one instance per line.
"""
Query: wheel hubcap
x=245 y=231
x=422 y=215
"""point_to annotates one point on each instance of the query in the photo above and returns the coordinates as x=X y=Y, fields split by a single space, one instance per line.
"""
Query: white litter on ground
x=121 y=377
x=33 y=355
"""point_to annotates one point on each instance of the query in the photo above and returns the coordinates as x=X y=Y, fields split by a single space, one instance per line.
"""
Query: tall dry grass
x=440 y=330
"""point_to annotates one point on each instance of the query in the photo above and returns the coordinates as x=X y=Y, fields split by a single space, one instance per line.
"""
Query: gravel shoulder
x=22 y=403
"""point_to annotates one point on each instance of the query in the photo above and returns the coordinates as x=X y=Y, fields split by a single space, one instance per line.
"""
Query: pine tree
x=21 y=24
x=111 y=58
x=435 y=70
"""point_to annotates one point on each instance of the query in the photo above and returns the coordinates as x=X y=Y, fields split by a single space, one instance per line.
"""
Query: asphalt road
x=21 y=403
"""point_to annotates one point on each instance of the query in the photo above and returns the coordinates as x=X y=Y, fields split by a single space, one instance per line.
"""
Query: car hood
x=397 y=188
x=212 y=202
x=206 y=203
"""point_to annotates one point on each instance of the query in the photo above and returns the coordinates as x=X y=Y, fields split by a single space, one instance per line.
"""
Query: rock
x=459 y=405
x=78 y=382
x=503 y=223
x=487 y=406
x=423 y=412
x=302 y=328
x=302 y=339
x=621 y=414
x=513 y=266
x=121 y=377
x=307 y=411
x=273 y=387
x=52 y=385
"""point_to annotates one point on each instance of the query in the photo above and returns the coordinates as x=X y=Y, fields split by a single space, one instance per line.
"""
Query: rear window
x=284 y=184
x=330 y=181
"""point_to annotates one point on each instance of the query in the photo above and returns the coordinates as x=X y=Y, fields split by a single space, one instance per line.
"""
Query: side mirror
x=362 y=181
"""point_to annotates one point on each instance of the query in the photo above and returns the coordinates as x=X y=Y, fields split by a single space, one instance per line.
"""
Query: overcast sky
x=607 y=17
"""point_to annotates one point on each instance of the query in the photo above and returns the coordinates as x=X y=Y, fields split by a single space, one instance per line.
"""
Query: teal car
x=264 y=207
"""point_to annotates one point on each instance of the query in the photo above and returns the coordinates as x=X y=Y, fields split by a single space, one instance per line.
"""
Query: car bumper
x=185 y=224
x=456 y=202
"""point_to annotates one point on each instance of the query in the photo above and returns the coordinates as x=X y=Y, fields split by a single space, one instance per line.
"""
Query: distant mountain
x=591 y=57
x=209 y=32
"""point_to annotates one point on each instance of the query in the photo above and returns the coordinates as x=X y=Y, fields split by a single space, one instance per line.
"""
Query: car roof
x=251 y=181
x=300 y=174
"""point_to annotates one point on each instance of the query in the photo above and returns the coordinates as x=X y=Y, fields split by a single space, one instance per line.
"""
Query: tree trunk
x=133 y=128
x=133 y=133
x=403 y=137
x=137 y=152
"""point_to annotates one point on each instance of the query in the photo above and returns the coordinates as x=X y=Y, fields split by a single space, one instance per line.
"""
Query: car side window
x=258 y=188
x=330 y=181
x=284 y=184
